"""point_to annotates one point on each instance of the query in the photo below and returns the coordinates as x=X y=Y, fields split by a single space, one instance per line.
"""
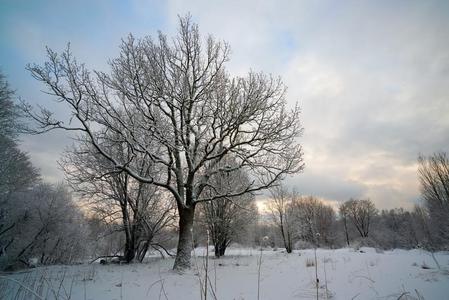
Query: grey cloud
x=327 y=186
x=372 y=79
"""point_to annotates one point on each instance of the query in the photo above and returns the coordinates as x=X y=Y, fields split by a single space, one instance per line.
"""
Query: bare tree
x=422 y=225
x=344 y=215
x=361 y=213
x=397 y=228
x=9 y=112
x=434 y=178
x=281 y=210
x=117 y=198
x=179 y=94
x=313 y=220
x=16 y=170
x=17 y=174
x=230 y=217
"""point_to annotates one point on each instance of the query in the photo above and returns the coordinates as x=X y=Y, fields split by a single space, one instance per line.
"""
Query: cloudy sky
x=372 y=78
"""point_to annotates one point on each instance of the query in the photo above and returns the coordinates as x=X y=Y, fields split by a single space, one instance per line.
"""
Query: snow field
x=343 y=274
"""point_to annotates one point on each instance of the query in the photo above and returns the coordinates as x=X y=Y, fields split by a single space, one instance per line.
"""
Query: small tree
x=280 y=211
x=313 y=220
x=361 y=213
x=422 y=225
x=140 y=208
x=230 y=217
x=177 y=95
x=344 y=215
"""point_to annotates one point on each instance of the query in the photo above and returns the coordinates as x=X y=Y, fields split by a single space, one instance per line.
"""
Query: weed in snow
x=310 y=262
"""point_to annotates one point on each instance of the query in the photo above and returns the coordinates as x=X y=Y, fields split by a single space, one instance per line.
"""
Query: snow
x=347 y=273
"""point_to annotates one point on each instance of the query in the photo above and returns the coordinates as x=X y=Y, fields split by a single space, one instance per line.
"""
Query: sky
x=371 y=77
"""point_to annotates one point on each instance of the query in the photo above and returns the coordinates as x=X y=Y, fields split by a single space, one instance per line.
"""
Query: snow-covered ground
x=348 y=274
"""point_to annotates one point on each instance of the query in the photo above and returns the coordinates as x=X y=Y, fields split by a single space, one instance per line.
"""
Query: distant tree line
x=299 y=221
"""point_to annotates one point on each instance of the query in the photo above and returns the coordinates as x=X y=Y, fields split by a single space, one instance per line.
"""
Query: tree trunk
x=220 y=248
x=130 y=251
x=289 y=247
x=346 y=231
x=223 y=249
x=184 y=250
x=130 y=245
x=217 y=250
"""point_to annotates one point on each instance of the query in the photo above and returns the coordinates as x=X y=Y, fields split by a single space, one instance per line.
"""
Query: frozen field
x=348 y=274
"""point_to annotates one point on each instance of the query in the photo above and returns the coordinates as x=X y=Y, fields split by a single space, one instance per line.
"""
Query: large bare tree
x=173 y=102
